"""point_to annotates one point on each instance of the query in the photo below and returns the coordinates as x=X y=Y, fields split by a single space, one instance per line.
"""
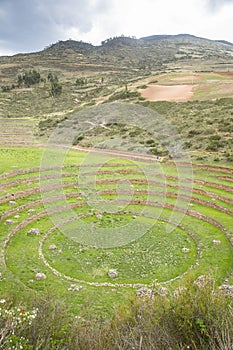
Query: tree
x=29 y=78
x=20 y=80
x=32 y=77
x=52 y=78
x=56 y=88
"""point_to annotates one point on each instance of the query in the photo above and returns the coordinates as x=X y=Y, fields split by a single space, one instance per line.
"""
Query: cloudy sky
x=30 y=25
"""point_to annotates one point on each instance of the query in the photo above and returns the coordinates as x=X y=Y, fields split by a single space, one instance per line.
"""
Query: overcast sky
x=30 y=25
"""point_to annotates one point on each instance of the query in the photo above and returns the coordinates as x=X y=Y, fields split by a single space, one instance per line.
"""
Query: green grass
x=10 y=162
x=157 y=255
x=154 y=255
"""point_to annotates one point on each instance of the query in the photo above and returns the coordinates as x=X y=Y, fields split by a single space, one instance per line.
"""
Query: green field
x=130 y=207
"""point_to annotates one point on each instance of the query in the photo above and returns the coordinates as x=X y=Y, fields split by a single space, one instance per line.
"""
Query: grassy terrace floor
x=127 y=205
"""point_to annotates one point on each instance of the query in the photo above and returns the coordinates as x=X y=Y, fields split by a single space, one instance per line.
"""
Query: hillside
x=119 y=70
x=123 y=53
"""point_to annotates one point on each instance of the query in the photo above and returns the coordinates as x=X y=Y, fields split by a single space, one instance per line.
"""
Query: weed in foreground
x=196 y=317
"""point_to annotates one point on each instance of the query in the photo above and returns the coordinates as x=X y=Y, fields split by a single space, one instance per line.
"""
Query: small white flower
x=2 y=301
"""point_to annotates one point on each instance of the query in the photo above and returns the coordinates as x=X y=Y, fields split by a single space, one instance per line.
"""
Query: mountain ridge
x=85 y=47
x=127 y=40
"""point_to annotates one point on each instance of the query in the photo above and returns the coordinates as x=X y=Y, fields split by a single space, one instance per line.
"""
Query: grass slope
x=77 y=273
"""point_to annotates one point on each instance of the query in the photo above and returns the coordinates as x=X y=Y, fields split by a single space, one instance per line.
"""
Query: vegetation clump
x=7 y=88
x=55 y=87
x=80 y=81
x=29 y=78
x=193 y=317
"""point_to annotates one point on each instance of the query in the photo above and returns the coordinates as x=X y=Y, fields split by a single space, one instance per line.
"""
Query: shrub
x=123 y=95
x=212 y=146
x=14 y=322
x=194 y=132
x=215 y=137
x=195 y=318
x=52 y=77
x=80 y=81
x=6 y=88
x=78 y=139
x=55 y=89
x=150 y=142
x=29 y=78
x=229 y=157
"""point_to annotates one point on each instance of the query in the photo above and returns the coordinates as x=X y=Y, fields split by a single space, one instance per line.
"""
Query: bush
x=78 y=139
x=55 y=89
x=47 y=124
x=150 y=142
x=212 y=146
x=194 y=132
x=6 y=88
x=215 y=137
x=123 y=95
x=52 y=78
x=80 y=81
x=195 y=318
x=14 y=322
x=29 y=78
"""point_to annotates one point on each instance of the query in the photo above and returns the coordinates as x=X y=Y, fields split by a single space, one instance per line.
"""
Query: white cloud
x=28 y=26
x=216 y=4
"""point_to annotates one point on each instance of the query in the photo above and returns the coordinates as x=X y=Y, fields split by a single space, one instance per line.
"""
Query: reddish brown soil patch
x=175 y=93
x=187 y=78
x=225 y=73
x=226 y=178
